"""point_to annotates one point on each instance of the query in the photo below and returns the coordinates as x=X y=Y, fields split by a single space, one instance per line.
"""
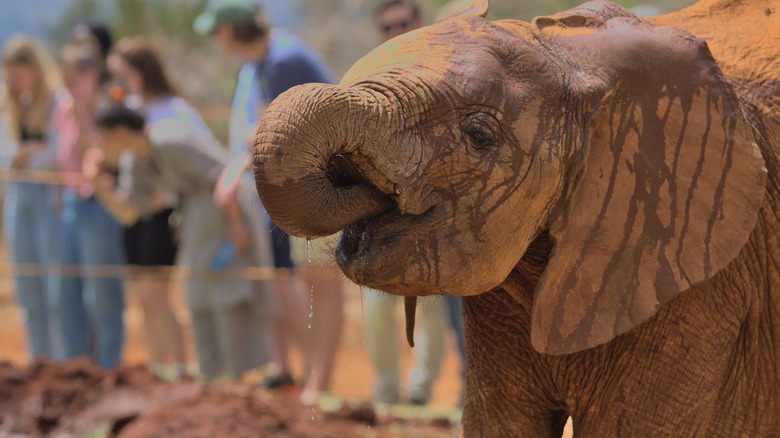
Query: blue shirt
x=289 y=62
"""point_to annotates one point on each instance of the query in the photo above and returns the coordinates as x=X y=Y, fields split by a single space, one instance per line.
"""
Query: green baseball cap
x=223 y=11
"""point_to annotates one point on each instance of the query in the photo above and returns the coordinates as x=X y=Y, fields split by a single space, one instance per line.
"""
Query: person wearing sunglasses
x=396 y=17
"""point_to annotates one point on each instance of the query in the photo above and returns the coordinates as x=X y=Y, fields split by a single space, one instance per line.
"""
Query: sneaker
x=418 y=401
x=278 y=381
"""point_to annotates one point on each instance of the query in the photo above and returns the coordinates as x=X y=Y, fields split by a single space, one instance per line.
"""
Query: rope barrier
x=209 y=114
x=168 y=273
x=51 y=177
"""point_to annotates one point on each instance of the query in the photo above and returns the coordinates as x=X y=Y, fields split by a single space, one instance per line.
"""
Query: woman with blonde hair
x=33 y=89
x=90 y=306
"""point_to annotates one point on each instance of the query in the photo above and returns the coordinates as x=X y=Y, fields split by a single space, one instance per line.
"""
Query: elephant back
x=744 y=37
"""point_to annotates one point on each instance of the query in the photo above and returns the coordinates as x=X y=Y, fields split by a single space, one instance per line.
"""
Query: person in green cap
x=275 y=61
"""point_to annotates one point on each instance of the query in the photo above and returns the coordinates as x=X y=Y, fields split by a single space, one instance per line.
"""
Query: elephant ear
x=665 y=185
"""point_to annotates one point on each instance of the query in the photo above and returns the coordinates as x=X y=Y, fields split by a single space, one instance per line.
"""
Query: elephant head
x=446 y=151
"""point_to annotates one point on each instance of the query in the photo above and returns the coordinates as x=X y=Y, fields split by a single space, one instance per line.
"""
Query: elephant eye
x=478 y=132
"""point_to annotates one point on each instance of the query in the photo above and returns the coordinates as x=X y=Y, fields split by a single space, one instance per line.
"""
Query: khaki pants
x=380 y=312
x=232 y=338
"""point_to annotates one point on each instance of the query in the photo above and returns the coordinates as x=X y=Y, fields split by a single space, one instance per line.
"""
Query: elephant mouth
x=374 y=250
x=370 y=250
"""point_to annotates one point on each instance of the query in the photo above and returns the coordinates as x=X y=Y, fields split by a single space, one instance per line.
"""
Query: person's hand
x=25 y=151
x=226 y=189
x=225 y=192
x=19 y=159
x=92 y=164
x=238 y=233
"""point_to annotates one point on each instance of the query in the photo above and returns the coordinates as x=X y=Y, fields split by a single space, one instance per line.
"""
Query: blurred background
x=341 y=30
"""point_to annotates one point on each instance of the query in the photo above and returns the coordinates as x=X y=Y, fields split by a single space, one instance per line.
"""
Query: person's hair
x=387 y=4
x=143 y=58
x=82 y=55
x=99 y=35
x=25 y=50
x=112 y=115
x=250 y=30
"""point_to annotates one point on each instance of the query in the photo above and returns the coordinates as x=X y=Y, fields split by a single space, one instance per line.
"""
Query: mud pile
x=77 y=399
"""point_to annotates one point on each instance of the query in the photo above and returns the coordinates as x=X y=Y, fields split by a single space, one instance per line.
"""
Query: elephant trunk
x=304 y=159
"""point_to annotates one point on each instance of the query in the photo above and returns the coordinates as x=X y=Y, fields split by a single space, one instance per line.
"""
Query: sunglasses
x=387 y=27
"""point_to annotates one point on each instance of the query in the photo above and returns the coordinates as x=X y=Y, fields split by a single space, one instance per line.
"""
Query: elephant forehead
x=429 y=52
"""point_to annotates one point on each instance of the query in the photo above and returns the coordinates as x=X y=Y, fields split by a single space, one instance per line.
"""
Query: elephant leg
x=508 y=388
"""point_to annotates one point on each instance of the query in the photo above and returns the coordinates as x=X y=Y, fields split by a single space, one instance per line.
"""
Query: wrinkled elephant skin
x=603 y=190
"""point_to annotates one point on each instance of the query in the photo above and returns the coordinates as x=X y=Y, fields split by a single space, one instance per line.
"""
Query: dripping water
x=362 y=314
x=311 y=312
x=311 y=290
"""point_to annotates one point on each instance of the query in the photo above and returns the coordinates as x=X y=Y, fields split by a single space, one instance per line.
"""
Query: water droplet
x=362 y=310
x=311 y=302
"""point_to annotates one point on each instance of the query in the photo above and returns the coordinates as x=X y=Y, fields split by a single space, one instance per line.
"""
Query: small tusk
x=410 y=305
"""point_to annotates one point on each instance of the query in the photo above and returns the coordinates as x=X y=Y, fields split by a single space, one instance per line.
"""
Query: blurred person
x=275 y=61
x=90 y=306
x=32 y=91
x=380 y=331
x=138 y=67
x=230 y=314
x=396 y=17
x=99 y=34
x=150 y=242
x=454 y=304
x=393 y=18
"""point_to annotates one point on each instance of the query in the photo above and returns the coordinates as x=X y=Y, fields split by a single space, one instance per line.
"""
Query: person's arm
x=105 y=190
x=225 y=196
x=203 y=160
x=8 y=146
x=227 y=185
x=237 y=226
x=124 y=212
x=43 y=156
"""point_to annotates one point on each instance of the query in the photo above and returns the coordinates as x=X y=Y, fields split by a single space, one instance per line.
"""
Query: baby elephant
x=603 y=190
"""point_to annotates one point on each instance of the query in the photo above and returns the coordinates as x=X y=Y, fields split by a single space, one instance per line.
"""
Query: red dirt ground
x=77 y=399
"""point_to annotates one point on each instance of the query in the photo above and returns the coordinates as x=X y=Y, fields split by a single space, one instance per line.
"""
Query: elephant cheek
x=484 y=258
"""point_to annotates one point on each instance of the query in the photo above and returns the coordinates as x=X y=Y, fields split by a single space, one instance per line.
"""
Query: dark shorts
x=150 y=242
x=280 y=242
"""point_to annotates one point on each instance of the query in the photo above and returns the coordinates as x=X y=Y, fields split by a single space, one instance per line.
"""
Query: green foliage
x=78 y=12
x=171 y=18
x=159 y=17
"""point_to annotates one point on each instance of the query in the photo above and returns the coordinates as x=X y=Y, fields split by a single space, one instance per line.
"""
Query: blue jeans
x=30 y=225
x=454 y=307
x=91 y=305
